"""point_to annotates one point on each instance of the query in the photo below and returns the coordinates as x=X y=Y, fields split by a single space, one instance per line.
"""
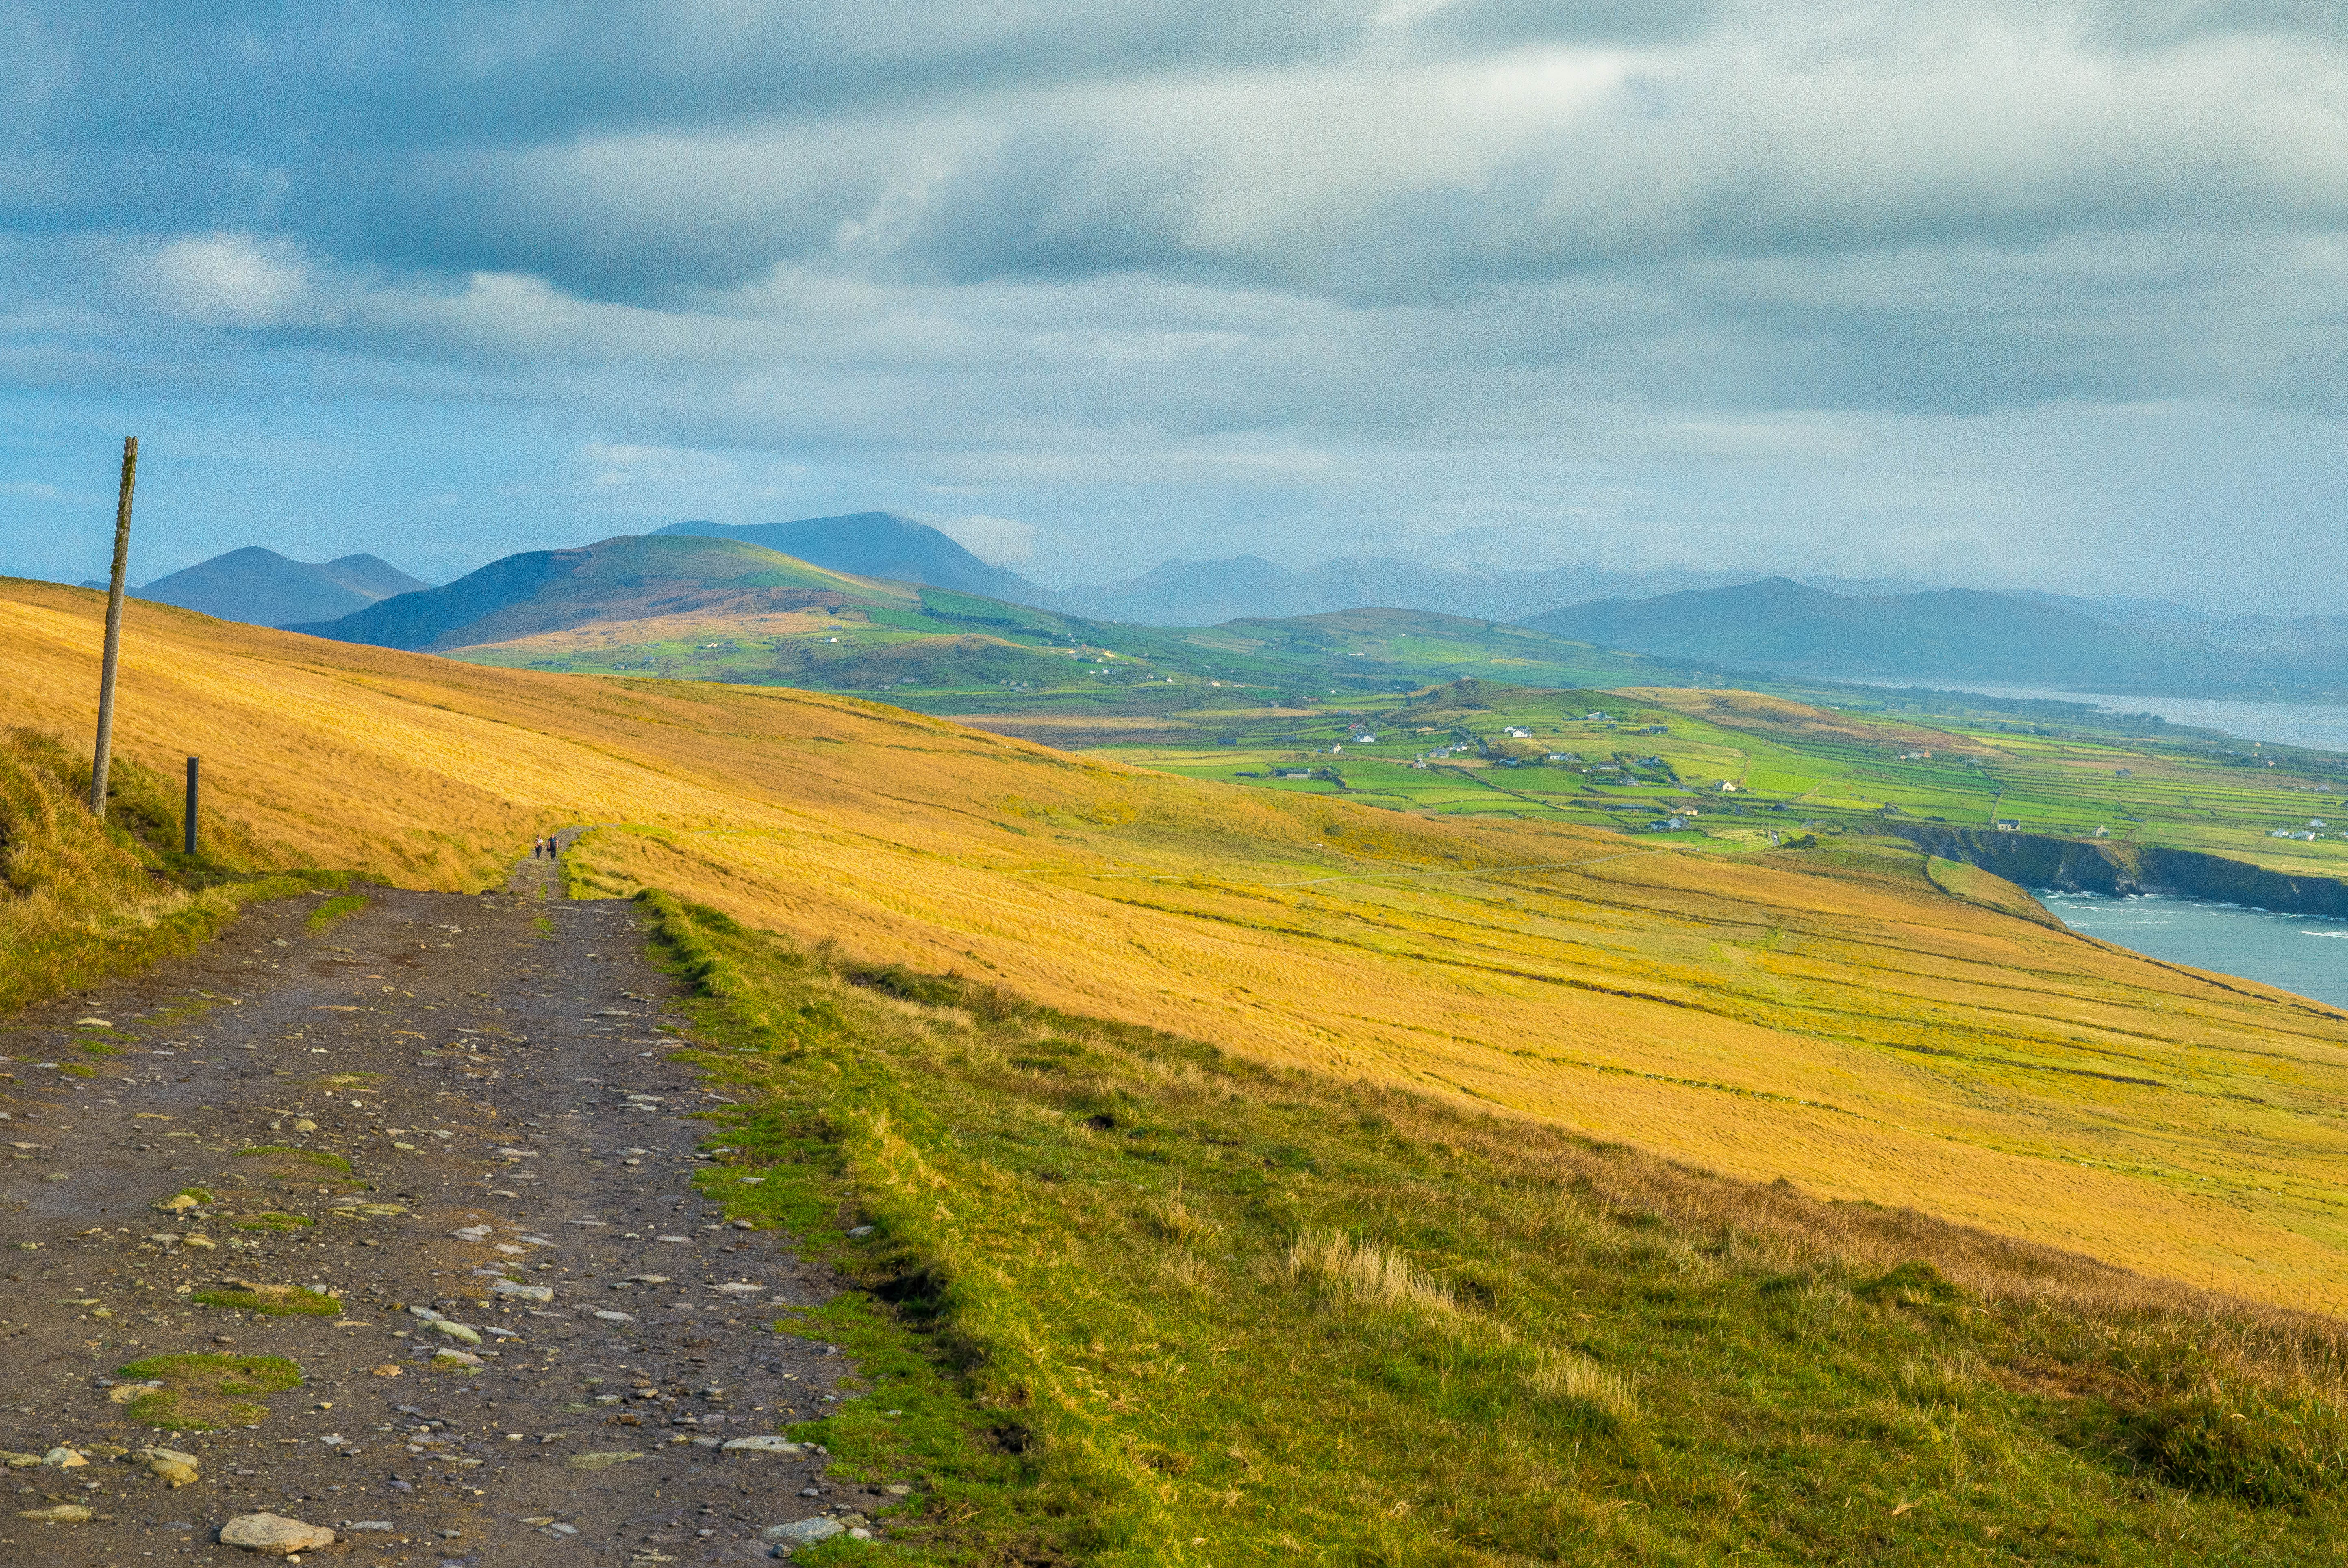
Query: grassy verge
x=1128 y=1301
x=81 y=900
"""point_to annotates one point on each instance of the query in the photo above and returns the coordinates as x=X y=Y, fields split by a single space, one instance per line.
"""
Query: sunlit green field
x=1735 y=780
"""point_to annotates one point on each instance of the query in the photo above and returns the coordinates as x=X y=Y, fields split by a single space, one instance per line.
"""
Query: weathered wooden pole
x=190 y=830
x=105 y=754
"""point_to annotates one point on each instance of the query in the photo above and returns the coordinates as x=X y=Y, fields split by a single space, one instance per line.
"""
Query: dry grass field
x=1828 y=1016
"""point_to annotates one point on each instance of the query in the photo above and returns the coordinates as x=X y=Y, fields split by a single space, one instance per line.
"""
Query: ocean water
x=2321 y=726
x=2296 y=952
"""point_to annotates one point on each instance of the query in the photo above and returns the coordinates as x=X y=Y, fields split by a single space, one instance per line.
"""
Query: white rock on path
x=803 y=1532
x=274 y=1537
x=64 y=1514
x=517 y=1288
x=763 y=1445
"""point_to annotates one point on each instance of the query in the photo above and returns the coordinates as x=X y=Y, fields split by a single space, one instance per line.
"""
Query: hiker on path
x=537 y=847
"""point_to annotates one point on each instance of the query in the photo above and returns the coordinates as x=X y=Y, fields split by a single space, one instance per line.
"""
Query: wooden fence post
x=105 y=753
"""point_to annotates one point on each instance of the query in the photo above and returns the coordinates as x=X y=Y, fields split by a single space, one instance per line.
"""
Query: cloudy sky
x=1991 y=292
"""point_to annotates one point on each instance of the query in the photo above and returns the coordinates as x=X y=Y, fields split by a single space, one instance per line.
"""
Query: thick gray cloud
x=1880 y=287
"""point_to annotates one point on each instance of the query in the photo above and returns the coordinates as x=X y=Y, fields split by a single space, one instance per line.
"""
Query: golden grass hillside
x=1826 y=1015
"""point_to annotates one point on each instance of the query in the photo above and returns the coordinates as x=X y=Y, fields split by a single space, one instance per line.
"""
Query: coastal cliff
x=2108 y=866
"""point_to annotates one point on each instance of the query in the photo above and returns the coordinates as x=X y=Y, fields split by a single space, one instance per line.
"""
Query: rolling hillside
x=1047 y=676
x=1244 y=1178
x=623 y=580
x=1760 y=1014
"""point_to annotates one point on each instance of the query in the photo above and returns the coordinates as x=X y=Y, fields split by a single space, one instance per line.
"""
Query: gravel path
x=492 y=1071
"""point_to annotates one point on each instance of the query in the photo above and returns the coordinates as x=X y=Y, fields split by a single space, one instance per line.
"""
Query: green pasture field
x=1250 y=701
x=2067 y=779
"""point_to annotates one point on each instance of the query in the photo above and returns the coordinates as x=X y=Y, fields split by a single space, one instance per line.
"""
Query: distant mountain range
x=1823 y=626
x=266 y=588
x=1957 y=634
x=1206 y=592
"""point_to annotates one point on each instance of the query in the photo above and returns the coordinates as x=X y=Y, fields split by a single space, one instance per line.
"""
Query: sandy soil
x=472 y=1059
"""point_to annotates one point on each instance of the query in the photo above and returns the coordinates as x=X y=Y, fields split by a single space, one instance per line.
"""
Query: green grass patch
x=1121 y=1294
x=77 y=1070
x=272 y=1300
x=340 y=907
x=272 y=1221
x=543 y=926
x=200 y=1393
x=289 y=1156
x=101 y=1047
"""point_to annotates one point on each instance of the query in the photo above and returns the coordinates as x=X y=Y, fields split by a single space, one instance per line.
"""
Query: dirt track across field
x=442 y=1103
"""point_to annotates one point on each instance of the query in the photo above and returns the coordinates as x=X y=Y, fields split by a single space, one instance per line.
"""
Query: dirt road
x=442 y=1105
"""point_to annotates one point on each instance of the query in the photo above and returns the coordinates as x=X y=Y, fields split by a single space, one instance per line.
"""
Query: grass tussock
x=200 y=1393
x=1154 y=1293
x=1576 y=1381
x=1934 y=1380
x=1353 y=1272
x=271 y=1300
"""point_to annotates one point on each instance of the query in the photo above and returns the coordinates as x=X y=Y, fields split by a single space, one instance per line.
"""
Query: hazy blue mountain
x=266 y=588
x=882 y=545
x=2163 y=615
x=1952 y=633
x=2269 y=634
x=1207 y=592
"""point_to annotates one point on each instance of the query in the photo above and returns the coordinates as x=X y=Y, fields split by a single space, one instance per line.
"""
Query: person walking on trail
x=537 y=847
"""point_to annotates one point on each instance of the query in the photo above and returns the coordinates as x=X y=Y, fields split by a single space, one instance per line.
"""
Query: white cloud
x=997 y=541
x=224 y=280
x=1679 y=278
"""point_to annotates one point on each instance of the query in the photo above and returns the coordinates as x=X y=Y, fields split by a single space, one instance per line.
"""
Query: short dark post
x=191 y=808
x=104 y=754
